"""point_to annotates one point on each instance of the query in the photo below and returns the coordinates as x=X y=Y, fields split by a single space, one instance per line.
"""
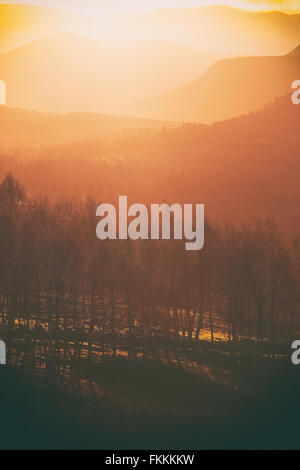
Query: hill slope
x=20 y=24
x=19 y=127
x=219 y=29
x=67 y=73
x=229 y=88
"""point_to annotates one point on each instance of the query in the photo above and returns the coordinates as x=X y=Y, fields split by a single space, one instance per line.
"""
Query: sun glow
x=92 y=7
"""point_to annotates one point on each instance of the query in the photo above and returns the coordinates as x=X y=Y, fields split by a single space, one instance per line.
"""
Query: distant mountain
x=20 y=24
x=243 y=169
x=21 y=127
x=274 y=125
x=67 y=73
x=220 y=30
x=277 y=120
x=247 y=166
x=229 y=88
x=225 y=30
x=153 y=57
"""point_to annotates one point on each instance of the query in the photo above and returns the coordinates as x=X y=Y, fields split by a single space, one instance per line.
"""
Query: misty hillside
x=237 y=167
x=228 y=31
x=66 y=73
x=20 y=24
x=229 y=88
x=279 y=119
x=19 y=126
x=217 y=29
x=256 y=140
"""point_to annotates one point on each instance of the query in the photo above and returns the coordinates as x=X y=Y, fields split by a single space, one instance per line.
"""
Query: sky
x=90 y=6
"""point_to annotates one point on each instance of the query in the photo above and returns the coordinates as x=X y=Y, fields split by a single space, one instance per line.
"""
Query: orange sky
x=90 y=6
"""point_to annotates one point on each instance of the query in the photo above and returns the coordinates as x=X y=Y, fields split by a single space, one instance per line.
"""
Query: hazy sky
x=92 y=5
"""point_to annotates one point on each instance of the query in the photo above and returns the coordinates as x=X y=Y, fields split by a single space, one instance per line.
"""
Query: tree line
x=66 y=295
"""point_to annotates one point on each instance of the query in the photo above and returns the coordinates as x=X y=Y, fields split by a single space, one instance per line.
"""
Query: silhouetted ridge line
x=295 y=52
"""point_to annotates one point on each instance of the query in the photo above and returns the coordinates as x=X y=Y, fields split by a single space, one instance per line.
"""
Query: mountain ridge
x=95 y=76
x=226 y=30
x=229 y=88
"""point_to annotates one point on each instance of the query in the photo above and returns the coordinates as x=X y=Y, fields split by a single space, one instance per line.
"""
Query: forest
x=136 y=343
x=123 y=328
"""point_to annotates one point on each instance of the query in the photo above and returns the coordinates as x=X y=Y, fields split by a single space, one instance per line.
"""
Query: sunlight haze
x=92 y=6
